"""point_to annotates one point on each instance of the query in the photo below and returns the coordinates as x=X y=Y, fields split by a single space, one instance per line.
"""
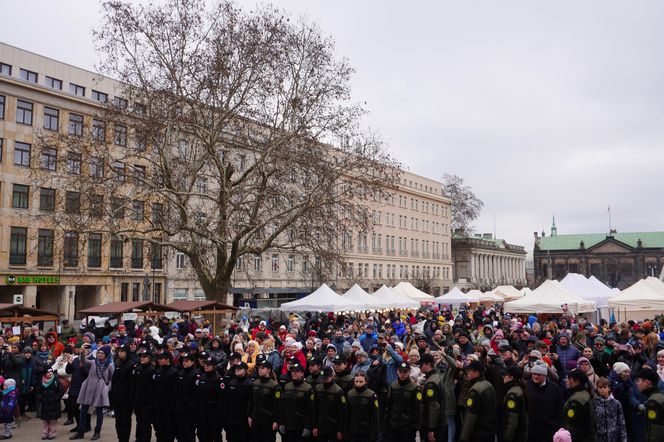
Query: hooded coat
x=49 y=399
x=94 y=391
x=57 y=347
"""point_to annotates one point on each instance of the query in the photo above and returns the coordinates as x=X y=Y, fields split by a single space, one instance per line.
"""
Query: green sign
x=29 y=279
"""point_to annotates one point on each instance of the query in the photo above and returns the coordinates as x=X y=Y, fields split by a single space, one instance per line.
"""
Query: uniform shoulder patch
x=652 y=415
x=570 y=413
x=343 y=399
x=277 y=394
x=376 y=403
x=469 y=402
x=511 y=404
x=430 y=392
x=418 y=396
x=222 y=385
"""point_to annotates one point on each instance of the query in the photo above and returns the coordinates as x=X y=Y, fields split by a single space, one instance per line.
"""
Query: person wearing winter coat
x=55 y=347
x=623 y=390
x=567 y=355
x=94 y=391
x=7 y=407
x=49 y=394
x=610 y=421
x=79 y=373
x=362 y=364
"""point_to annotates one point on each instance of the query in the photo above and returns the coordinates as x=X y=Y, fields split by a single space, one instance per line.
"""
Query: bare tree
x=220 y=145
x=466 y=206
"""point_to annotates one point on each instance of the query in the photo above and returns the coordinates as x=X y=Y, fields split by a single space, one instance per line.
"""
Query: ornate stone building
x=483 y=262
x=616 y=259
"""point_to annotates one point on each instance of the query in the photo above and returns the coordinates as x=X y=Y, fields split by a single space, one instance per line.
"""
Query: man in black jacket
x=184 y=402
x=143 y=397
x=545 y=405
x=208 y=398
x=120 y=396
x=79 y=373
x=237 y=392
x=164 y=418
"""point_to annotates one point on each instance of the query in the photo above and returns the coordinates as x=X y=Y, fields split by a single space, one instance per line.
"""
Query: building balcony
x=415 y=254
x=362 y=249
x=377 y=251
x=403 y=253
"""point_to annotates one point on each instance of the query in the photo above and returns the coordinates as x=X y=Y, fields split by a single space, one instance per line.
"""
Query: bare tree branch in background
x=466 y=207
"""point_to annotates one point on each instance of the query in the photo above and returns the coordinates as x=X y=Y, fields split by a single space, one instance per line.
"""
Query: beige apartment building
x=53 y=268
x=410 y=241
x=60 y=270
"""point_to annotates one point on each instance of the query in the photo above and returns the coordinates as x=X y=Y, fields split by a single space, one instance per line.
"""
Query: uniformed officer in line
x=434 y=420
x=314 y=368
x=208 y=397
x=143 y=398
x=330 y=408
x=297 y=411
x=122 y=388
x=579 y=412
x=235 y=400
x=646 y=381
x=164 y=418
x=402 y=407
x=286 y=377
x=361 y=412
x=343 y=378
x=264 y=407
x=515 y=414
x=479 y=424
x=184 y=403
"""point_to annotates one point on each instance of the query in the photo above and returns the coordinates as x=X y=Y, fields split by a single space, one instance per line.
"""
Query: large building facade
x=616 y=259
x=56 y=268
x=49 y=265
x=482 y=262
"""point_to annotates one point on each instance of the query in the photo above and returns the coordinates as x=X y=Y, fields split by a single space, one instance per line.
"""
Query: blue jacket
x=368 y=341
x=399 y=329
x=392 y=364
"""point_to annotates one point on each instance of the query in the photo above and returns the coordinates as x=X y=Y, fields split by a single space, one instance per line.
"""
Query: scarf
x=101 y=367
x=8 y=390
x=45 y=383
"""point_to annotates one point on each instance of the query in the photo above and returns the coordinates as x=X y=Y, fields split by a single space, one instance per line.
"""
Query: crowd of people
x=470 y=375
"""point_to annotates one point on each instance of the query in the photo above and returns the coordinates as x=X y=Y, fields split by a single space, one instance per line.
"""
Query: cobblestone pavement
x=30 y=430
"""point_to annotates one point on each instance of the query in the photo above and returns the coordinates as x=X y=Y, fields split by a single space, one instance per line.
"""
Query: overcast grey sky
x=542 y=107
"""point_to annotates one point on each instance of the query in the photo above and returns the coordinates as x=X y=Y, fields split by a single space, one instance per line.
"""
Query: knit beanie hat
x=540 y=368
x=10 y=382
x=620 y=367
x=414 y=352
x=562 y=435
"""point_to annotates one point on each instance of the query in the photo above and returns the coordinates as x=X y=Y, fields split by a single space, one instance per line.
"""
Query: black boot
x=95 y=436
x=76 y=435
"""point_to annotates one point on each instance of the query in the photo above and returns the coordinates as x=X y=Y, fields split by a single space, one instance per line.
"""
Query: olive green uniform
x=330 y=410
x=297 y=408
x=654 y=415
x=345 y=381
x=264 y=408
x=515 y=415
x=314 y=380
x=402 y=410
x=579 y=415
x=433 y=404
x=479 y=423
x=361 y=415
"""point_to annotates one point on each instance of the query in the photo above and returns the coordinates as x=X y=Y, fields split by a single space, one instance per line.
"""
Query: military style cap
x=404 y=366
x=338 y=359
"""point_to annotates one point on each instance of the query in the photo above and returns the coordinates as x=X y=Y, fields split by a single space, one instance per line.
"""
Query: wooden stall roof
x=21 y=310
x=115 y=308
x=191 y=306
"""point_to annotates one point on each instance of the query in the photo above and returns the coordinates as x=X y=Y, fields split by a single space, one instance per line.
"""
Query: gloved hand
x=282 y=429
x=306 y=432
x=641 y=408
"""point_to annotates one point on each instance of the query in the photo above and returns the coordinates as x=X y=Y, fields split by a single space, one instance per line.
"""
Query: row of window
x=72 y=246
x=387 y=218
x=361 y=270
x=118 y=206
x=146 y=294
x=54 y=83
x=51 y=121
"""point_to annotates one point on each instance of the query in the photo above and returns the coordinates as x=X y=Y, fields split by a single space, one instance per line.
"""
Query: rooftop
x=572 y=242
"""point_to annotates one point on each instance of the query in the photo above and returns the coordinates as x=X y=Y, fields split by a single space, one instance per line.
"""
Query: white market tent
x=508 y=292
x=455 y=297
x=584 y=288
x=549 y=298
x=358 y=296
x=324 y=299
x=487 y=296
x=525 y=291
x=392 y=299
x=645 y=294
x=409 y=290
x=602 y=288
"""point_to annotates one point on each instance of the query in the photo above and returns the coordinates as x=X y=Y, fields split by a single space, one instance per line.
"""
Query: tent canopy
x=584 y=288
x=549 y=298
x=455 y=297
x=645 y=294
x=357 y=295
x=394 y=300
x=408 y=290
x=323 y=299
x=507 y=292
x=486 y=296
x=192 y=306
x=18 y=312
x=116 y=308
